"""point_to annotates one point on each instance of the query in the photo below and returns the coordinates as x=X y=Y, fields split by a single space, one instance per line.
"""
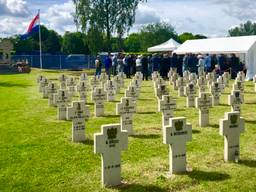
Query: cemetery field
x=37 y=154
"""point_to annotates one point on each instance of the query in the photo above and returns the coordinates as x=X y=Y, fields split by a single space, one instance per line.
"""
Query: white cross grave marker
x=190 y=92
x=83 y=77
x=50 y=90
x=161 y=90
x=110 y=88
x=78 y=113
x=181 y=84
x=98 y=97
x=231 y=127
x=62 y=100
x=176 y=134
x=82 y=88
x=203 y=103
x=62 y=79
x=131 y=92
x=125 y=109
x=235 y=100
x=71 y=85
x=109 y=143
x=166 y=105
x=42 y=84
x=215 y=90
x=202 y=83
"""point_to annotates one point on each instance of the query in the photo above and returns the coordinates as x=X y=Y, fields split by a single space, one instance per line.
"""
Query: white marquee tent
x=244 y=46
x=169 y=45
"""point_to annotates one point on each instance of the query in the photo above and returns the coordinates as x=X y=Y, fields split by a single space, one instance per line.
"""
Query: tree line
x=95 y=41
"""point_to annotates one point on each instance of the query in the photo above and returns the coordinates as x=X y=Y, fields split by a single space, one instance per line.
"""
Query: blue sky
x=208 y=17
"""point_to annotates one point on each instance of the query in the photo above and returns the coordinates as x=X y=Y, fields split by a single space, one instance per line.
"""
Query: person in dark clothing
x=129 y=65
x=223 y=64
x=108 y=65
x=156 y=62
x=192 y=63
x=144 y=65
x=234 y=65
x=165 y=66
x=214 y=62
x=133 y=64
x=180 y=65
x=174 y=61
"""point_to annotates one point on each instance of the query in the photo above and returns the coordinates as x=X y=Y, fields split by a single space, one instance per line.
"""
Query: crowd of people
x=147 y=64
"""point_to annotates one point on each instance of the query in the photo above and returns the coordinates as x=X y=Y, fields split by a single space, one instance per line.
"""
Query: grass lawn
x=36 y=152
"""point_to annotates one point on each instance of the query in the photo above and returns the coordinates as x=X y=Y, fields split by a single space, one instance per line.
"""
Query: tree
x=154 y=34
x=74 y=43
x=133 y=43
x=245 y=29
x=189 y=36
x=109 y=16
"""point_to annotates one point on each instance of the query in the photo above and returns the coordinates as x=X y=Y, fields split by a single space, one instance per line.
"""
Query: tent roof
x=218 y=45
x=169 y=45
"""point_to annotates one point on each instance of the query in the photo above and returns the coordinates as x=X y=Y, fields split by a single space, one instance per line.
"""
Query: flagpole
x=40 y=42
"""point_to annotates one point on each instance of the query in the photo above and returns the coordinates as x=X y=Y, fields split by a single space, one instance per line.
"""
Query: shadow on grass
x=196 y=131
x=145 y=113
x=223 y=105
x=179 y=109
x=248 y=163
x=208 y=176
x=146 y=99
x=249 y=103
x=150 y=136
x=88 y=142
x=216 y=126
x=111 y=116
x=114 y=101
x=250 y=121
x=89 y=103
x=7 y=84
x=138 y=187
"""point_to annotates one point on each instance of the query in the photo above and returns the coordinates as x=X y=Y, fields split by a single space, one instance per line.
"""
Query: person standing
x=120 y=64
x=165 y=66
x=174 y=62
x=200 y=64
x=155 y=62
x=207 y=63
x=108 y=65
x=144 y=65
x=185 y=63
x=234 y=64
x=128 y=61
x=138 y=63
x=180 y=65
x=98 y=65
x=114 y=65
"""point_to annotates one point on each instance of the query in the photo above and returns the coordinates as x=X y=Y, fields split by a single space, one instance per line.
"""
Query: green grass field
x=37 y=154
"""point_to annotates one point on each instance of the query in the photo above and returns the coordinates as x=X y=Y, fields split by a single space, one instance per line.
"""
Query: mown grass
x=37 y=153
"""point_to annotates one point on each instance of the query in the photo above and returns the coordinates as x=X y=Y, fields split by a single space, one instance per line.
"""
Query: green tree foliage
x=189 y=36
x=244 y=29
x=74 y=43
x=154 y=34
x=133 y=43
x=51 y=42
x=108 y=16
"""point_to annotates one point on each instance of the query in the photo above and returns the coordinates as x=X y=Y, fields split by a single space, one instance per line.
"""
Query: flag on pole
x=32 y=28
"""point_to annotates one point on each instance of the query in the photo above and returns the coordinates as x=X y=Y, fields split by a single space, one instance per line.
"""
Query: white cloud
x=60 y=17
x=17 y=8
x=211 y=17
